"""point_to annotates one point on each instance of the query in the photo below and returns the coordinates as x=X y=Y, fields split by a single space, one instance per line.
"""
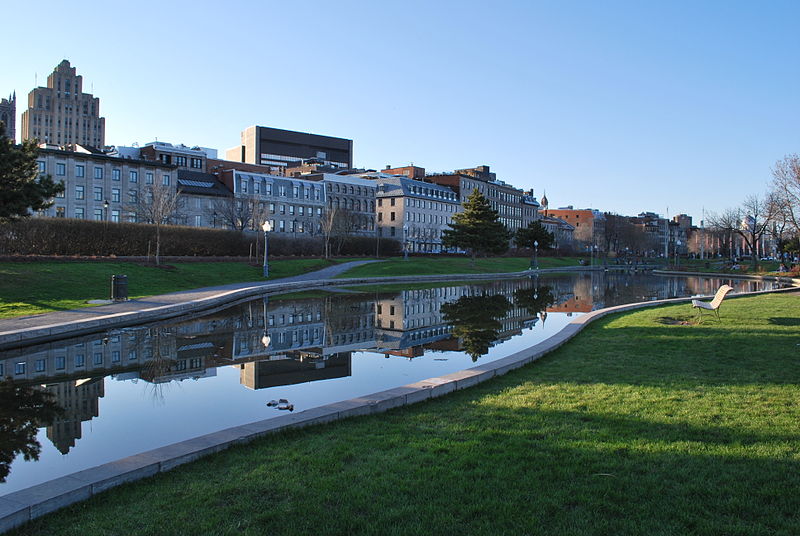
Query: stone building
x=62 y=114
x=413 y=212
x=98 y=186
x=8 y=115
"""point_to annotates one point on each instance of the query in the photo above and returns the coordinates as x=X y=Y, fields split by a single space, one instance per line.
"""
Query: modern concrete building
x=62 y=114
x=8 y=115
x=276 y=147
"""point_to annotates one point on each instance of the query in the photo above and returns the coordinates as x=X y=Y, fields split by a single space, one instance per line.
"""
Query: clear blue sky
x=621 y=106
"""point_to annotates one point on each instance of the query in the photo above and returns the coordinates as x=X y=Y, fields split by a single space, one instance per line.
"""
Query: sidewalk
x=51 y=325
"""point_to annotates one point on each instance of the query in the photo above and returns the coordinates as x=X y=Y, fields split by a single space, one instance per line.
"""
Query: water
x=81 y=402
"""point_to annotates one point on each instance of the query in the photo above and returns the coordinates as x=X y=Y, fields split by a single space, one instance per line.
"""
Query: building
x=588 y=226
x=200 y=197
x=413 y=212
x=8 y=115
x=562 y=232
x=191 y=158
x=502 y=197
x=291 y=205
x=411 y=172
x=276 y=147
x=62 y=114
x=98 y=186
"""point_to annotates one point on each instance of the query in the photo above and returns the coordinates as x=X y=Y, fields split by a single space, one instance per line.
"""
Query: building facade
x=100 y=187
x=62 y=114
x=276 y=147
x=8 y=115
x=413 y=212
x=588 y=226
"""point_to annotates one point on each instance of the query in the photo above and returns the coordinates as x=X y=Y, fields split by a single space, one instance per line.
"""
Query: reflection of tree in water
x=23 y=410
x=475 y=321
x=535 y=299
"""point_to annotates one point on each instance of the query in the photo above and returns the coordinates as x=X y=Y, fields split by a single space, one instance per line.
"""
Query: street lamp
x=677 y=258
x=267 y=227
x=266 y=339
x=535 y=254
x=105 y=208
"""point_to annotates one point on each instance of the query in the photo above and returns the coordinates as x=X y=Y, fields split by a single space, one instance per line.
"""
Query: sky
x=623 y=106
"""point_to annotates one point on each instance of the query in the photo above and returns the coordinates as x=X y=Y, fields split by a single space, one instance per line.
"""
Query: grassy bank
x=40 y=287
x=641 y=425
x=453 y=265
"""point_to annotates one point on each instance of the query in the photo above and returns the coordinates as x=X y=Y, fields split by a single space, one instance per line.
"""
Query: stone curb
x=24 y=505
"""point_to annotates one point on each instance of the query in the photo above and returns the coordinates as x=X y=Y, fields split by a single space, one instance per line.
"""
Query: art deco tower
x=62 y=114
x=8 y=114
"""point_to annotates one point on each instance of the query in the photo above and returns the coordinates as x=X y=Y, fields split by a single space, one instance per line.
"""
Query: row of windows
x=352 y=190
x=267 y=188
x=60 y=363
x=99 y=173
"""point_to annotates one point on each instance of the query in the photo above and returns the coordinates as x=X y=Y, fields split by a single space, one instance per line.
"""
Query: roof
x=198 y=183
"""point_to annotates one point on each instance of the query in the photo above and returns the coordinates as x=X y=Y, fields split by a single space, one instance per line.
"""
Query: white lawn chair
x=714 y=304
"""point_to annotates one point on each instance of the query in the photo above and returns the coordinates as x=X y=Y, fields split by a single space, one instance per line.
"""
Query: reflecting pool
x=76 y=403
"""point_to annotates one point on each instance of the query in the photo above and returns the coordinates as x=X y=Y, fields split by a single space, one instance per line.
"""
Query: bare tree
x=751 y=221
x=235 y=212
x=786 y=189
x=157 y=204
x=336 y=225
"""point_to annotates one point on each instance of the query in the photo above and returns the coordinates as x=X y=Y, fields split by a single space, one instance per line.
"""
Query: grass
x=453 y=265
x=640 y=425
x=28 y=288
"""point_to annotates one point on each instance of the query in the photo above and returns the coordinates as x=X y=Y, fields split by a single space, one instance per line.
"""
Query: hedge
x=62 y=236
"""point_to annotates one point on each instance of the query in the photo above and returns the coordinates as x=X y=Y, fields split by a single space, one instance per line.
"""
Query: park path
x=106 y=314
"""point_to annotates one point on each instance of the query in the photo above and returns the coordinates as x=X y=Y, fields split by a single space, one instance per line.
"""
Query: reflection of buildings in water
x=80 y=402
x=294 y=368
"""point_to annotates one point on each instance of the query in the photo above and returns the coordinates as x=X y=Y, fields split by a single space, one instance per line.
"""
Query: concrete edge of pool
x=21 y=506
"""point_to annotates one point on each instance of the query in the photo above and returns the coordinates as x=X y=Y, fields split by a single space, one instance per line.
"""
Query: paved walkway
x=95 y=318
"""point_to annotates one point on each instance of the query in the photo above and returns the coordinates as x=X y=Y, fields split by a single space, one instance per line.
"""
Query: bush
x=61 y=236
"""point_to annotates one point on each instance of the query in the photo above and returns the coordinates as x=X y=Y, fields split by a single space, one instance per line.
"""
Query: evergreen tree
x=22 y=188
x=534 y=232
x=477 y=229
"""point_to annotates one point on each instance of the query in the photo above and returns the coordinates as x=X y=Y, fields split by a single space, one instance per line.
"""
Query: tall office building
x=8 y=115
x=62 y=114
x=278 y=148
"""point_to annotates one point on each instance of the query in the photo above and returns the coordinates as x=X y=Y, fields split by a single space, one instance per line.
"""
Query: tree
x=786 y=189
x=534 y=236
x=22 y=188
x=336 y=225
x=25 y=410
x=476 y=321
x=751 y=221
x=159 y=204
x=478 y=229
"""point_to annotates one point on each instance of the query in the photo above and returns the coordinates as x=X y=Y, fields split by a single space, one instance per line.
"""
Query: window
x=391 y=216
x=98 y=172
x=133 y=176
x=19 y=368
x=165 y=180
x=115 y=195
x=61 y=362
x=133 y=196
x=40 y=365
x=79 y=213
x=61 y=169
x=98 y=358
x=148 y=178
x=244 y=186
x=296 y=191
x=391 y=201
x=115 y=216
x=80 y=360
x=98 y=193
x=79 y=192
x=80 y=171
x=98 y=214
x=291 y=210
x=197 y=163
x=61 y=212
x=42 y=166
x=115 y=356
x=116 y=174
x=180 y=161
x=198 y=221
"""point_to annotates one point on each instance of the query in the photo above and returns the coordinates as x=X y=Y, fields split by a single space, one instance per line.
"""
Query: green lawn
x=453 y=265
x=39 y=287
x=641 y=425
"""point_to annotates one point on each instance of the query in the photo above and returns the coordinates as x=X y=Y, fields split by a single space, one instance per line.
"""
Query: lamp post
x=677 y=258
x=267 y=227
x=105 y=209
x=265 y=339
x=214 y=221
x=535 y=254
x=405 y=242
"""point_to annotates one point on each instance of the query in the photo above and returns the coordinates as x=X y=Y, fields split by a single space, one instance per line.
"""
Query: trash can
x=119 y=287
